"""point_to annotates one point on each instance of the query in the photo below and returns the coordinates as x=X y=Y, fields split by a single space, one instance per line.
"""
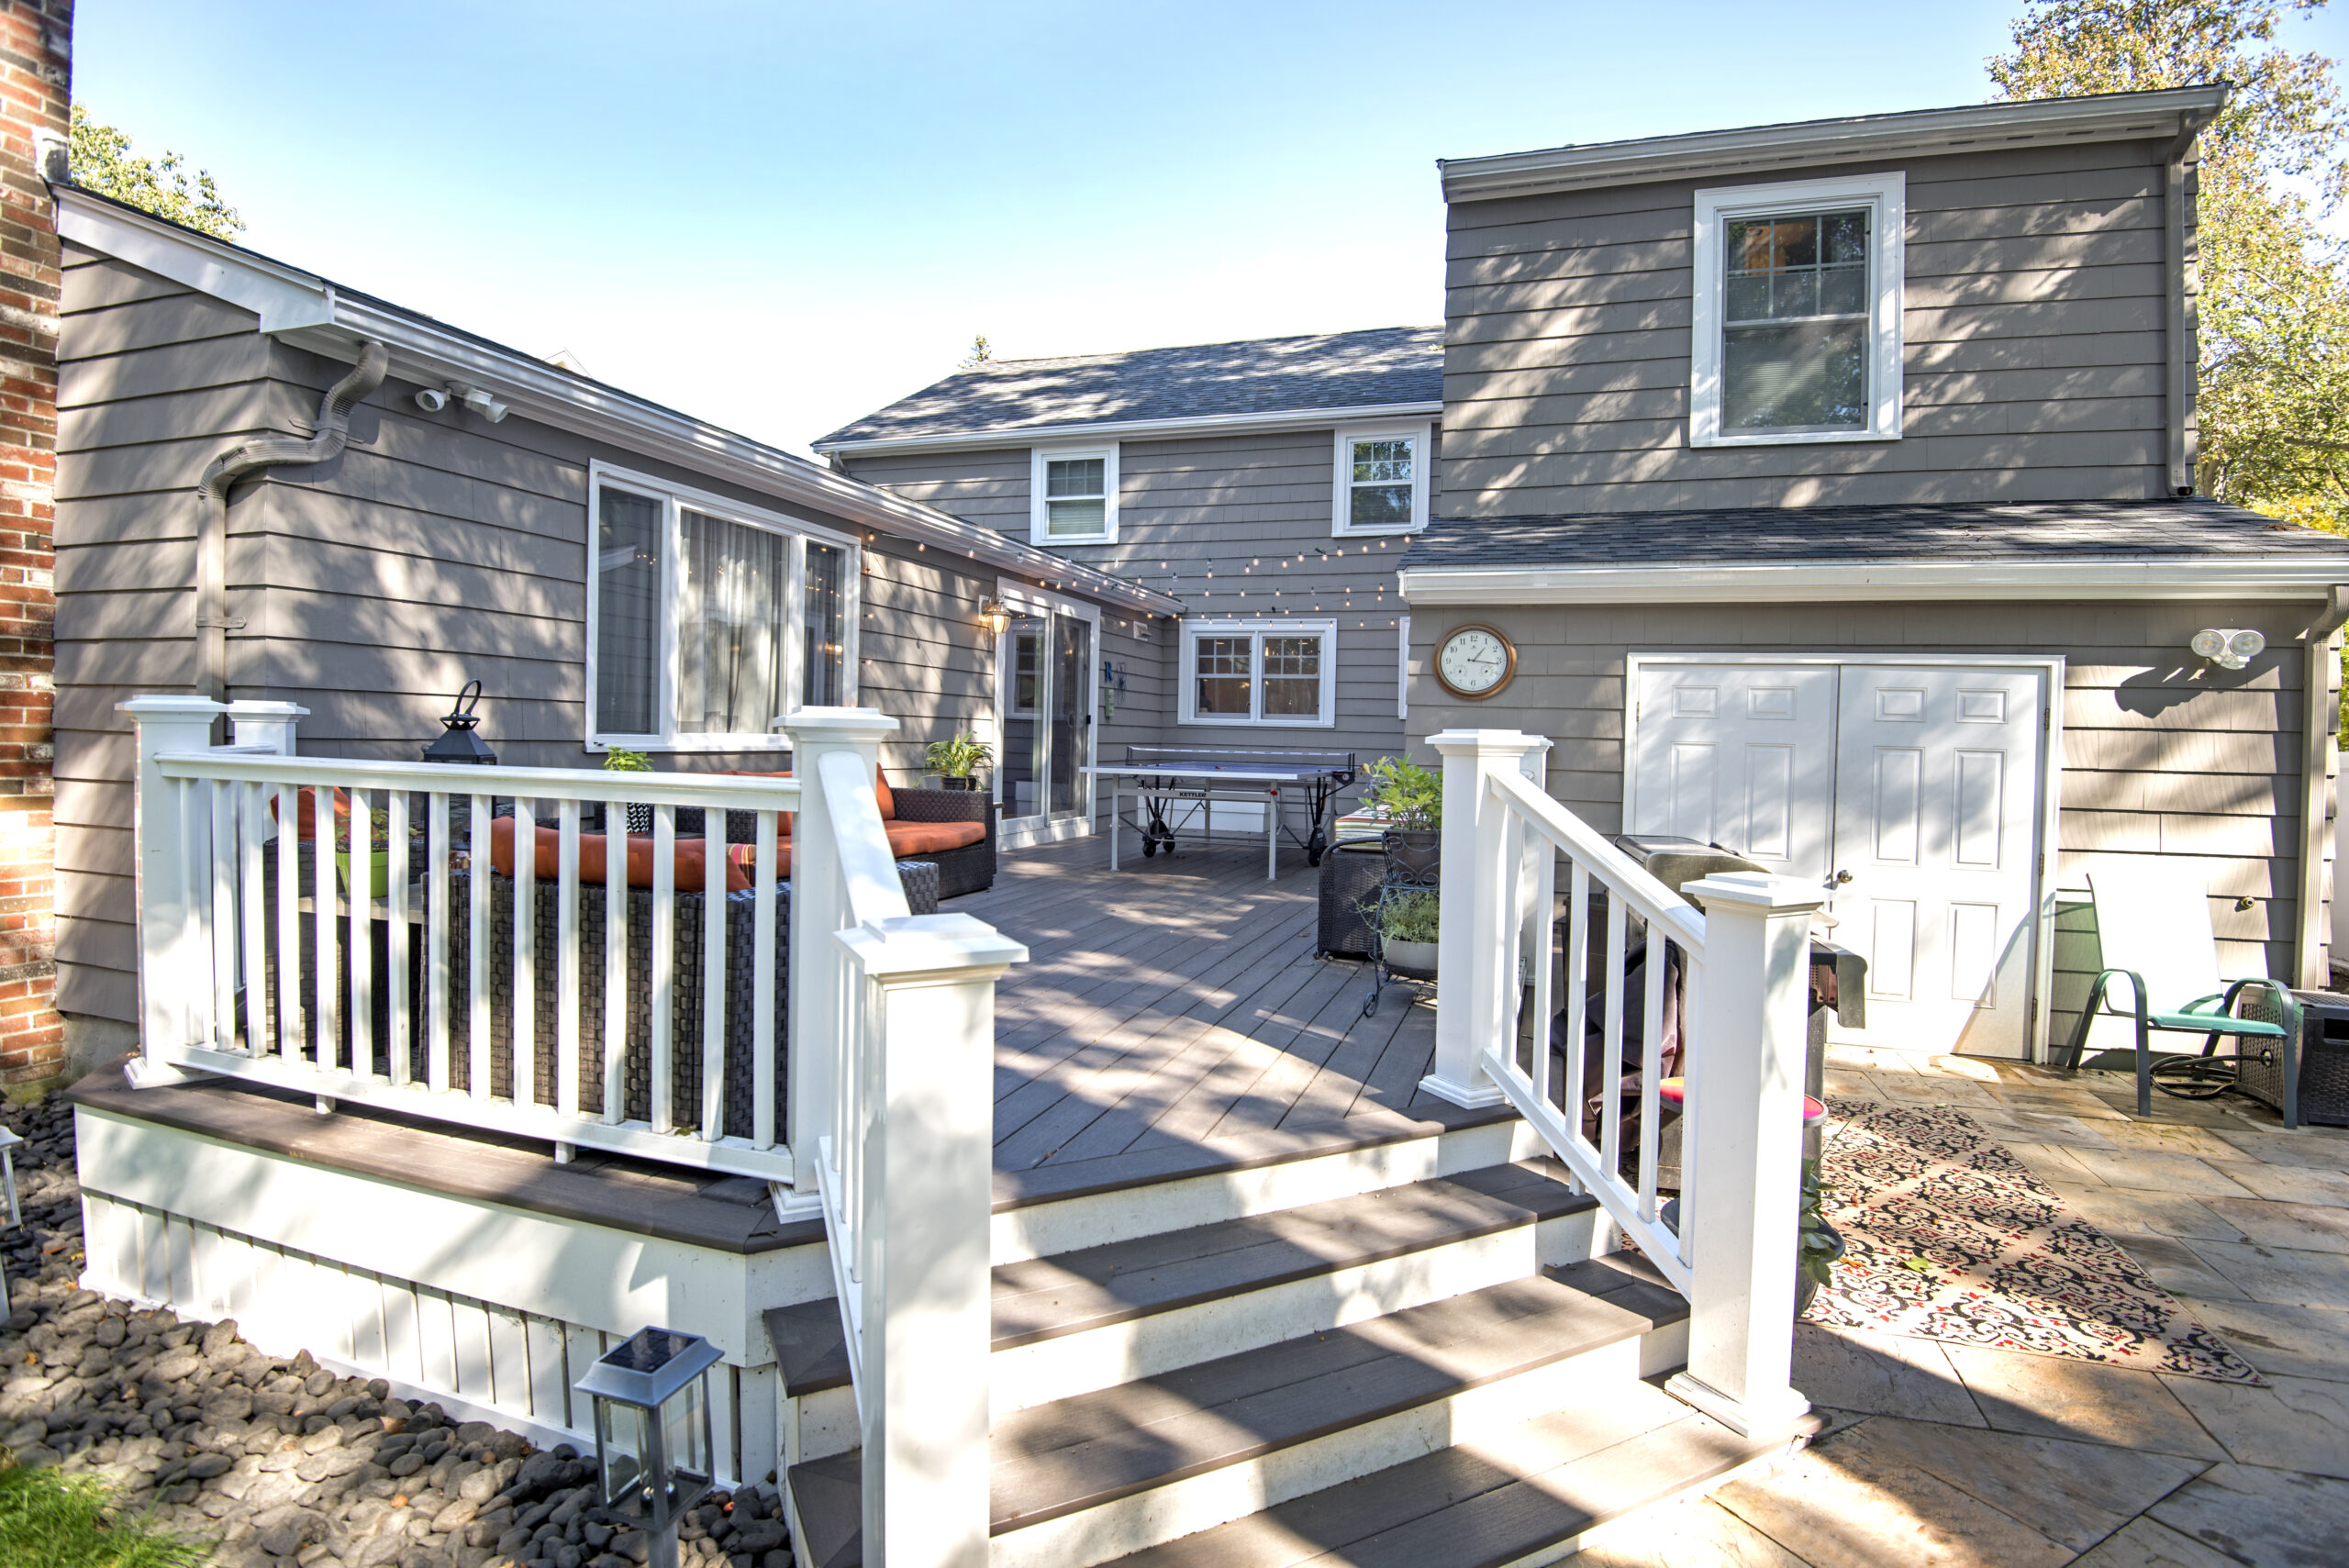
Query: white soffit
x=1752 y=583
x=309 y=313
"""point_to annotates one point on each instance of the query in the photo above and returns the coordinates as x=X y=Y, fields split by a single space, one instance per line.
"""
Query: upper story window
x=1797 y=312
x=1074 y=495
x=1382 y=480
x=1278 y=671
x=708 y=620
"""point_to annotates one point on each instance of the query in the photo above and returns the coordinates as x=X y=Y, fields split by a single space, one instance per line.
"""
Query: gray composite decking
x=1172 y=1017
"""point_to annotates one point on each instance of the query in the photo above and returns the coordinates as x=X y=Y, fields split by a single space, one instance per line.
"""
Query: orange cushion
x=305 y=811
x=881 y=791
x=909 y=839
x=687 y=859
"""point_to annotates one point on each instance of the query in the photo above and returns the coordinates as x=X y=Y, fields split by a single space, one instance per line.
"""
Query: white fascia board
x=1812 y=582
x=308 y=312
x=1134 y=429
x=2113 y=118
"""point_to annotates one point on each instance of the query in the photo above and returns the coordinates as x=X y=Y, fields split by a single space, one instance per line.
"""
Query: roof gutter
x=1137 y=429
x=308 y=312
x=2115 y=117
x=1815 y=582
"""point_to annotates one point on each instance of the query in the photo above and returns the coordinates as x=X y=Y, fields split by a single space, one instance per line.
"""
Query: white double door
x=1910 y=793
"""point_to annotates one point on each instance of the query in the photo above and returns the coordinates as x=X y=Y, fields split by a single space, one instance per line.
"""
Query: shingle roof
x=1382 y=366
x=1852 y=534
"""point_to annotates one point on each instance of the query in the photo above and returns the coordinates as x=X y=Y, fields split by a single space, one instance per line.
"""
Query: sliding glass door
x=1044 y=662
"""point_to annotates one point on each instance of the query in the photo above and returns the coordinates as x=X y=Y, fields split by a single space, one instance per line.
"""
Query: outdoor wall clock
x=1474 y=661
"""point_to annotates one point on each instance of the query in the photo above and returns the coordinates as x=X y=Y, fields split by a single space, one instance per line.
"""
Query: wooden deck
x=1172 y=1017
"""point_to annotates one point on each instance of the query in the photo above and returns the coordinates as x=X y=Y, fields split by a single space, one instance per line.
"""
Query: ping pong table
x=1176 y=786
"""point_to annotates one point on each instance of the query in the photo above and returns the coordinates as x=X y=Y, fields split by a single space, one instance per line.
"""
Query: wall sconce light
x=2229 y=648
x=993 y=616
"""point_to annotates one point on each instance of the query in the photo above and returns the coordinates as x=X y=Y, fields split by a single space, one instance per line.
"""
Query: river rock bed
x=279 y=1461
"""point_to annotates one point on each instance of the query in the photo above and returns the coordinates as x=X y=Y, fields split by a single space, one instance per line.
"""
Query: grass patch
x=67 y=1521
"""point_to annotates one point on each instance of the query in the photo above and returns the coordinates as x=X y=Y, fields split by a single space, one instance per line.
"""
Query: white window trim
x=1038 y=530
x=674 y=499
x=1403 y=666
x=1256 y=631
x=1420 y=434
x=1887 y=197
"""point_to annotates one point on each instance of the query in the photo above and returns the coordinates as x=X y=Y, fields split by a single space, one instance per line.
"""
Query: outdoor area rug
x=1949 y=1237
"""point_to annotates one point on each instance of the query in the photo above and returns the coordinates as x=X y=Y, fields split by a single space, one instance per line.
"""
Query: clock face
x=1475 y=660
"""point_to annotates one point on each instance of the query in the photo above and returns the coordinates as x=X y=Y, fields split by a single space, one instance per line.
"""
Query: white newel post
x=1475 y=951
x=1742 y=1148
x=927 y=1194
x=267 y=724
x=820 y=907
x=173 y=968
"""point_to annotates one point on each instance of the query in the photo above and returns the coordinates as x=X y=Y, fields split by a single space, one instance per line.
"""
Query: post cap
x=837 y=723
x=1758 y=891
x=171 y=705
x=1512 y=743
x=254 y=707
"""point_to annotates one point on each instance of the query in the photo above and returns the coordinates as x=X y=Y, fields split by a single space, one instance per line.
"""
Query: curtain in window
x=628 y=613
x=729 y=632
x=1292 y=677
x=825 y=628
x=1221 y=669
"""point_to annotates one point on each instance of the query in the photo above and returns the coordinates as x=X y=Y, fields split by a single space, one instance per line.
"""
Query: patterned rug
x=1949 y=1237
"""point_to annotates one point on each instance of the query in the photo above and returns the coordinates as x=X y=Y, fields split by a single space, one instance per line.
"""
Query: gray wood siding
x=436 y=550
x=1243 y=507
x=2159 y=756
x=2033 y=371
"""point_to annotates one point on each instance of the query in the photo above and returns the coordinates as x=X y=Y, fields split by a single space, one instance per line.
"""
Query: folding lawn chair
x=2154 y=923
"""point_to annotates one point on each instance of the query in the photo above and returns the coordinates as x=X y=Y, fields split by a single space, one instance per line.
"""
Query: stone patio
x=1951 y=1455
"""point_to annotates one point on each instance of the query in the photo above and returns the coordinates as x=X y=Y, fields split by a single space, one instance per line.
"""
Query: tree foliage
x=2273 y=404
x=103 y=161
x=981 y=352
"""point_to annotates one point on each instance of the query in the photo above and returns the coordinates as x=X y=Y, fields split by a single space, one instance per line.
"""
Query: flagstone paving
x=1958 y=1456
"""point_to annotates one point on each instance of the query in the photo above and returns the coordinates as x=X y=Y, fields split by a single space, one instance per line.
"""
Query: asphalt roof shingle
x=1945 y=531
x=1334 y=370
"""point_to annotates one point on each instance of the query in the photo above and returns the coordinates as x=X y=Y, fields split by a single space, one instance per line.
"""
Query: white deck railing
x=1741 y=1024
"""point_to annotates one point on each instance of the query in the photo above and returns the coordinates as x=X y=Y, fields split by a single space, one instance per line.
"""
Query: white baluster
x=664 y=952
x=438 y=961
x=397 y=1048
x=222 y=867
x=477 y=890
x=252 y=814
x=358 y=887
x=713 y=975
x=763 y=977
x=292 y=1020
x=526 y=955
x=327 y=1004
x=566 y=958
x=615 y=961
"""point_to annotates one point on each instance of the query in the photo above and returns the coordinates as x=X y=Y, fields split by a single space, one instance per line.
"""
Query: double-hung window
x=706 y=620
x=1382 y=480
x=1275 y=672
x=1797 y=312
x=1074 y=495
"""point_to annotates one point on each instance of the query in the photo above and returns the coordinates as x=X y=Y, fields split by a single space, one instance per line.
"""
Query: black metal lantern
x=460 y=741
x=654 y=1454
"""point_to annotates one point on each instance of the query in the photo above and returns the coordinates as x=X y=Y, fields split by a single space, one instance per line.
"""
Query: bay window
x=707 y=619
x=1274 y=673
x=1798 y=331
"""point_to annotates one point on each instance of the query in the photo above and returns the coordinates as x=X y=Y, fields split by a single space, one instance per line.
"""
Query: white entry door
x=1910 y=792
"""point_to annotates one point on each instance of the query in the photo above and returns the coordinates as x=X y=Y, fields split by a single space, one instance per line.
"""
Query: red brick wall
x=36 y=56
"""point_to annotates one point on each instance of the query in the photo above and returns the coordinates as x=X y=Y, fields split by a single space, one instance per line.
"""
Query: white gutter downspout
x=2319 y=762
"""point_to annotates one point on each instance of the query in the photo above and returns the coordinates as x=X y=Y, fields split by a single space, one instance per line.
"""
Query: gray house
x=614 y=572
x=1270 y=486
x=1826 y=491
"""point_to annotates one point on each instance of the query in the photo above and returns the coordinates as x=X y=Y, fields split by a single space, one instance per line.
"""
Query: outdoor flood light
x=2227 y=647
x=652 y=1429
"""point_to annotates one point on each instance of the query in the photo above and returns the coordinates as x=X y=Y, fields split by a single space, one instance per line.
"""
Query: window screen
x=628 y=613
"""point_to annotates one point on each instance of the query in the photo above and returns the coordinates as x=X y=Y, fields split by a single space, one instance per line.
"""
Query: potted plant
x=620 y=760
x=957 y=761
x=1407 y=923
x=379 y=844
x=1817 y=1243
x=1410 y=797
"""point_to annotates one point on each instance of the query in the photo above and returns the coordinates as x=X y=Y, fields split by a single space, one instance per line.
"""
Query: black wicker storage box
x=2324 y=1059
x=1351 y=872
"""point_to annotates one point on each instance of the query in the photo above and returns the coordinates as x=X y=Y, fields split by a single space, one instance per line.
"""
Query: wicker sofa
x=964 y=869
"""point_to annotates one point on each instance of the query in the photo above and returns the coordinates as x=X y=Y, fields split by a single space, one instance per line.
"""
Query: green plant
x=1411 y=795
x=1406 y=917
x=62 y=1521
x=620 y=760
x=1817 y=1245
x=960 y=757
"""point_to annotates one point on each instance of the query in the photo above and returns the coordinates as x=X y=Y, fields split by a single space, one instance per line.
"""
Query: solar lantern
x=653 y=1450
x=459 y=739
x=8 y=1144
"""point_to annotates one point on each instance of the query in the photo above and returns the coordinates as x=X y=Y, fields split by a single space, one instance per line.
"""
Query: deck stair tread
x=1042 y=1299
x=1091 y=1449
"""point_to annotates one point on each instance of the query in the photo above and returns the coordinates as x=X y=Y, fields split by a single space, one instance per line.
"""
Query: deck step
x=1103 y=1315
x=1097 y=1476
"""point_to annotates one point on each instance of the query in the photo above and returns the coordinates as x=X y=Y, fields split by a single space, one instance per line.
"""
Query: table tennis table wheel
x=1149 y=847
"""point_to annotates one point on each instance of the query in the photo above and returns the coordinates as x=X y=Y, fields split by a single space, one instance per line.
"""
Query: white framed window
x=1072 y=496
x=1796 y=318
x=1382 y=478
x=1260 y=672
x=707 y=619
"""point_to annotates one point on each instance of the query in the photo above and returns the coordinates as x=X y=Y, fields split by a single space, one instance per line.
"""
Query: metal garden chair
x=2154 y=924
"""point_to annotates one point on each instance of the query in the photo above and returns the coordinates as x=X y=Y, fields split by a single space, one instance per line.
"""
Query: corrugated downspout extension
x=332 y=431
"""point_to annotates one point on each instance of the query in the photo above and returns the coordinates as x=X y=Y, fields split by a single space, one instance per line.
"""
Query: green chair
x=2153 y=920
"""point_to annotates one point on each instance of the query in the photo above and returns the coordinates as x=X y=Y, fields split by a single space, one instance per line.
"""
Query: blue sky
x=779 y=216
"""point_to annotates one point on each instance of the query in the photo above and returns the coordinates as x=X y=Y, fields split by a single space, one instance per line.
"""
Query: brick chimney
x=35 y=61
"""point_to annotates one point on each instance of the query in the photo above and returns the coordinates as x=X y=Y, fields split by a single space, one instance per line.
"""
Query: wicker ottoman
x=2324 y=1059
x=1351 y=873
